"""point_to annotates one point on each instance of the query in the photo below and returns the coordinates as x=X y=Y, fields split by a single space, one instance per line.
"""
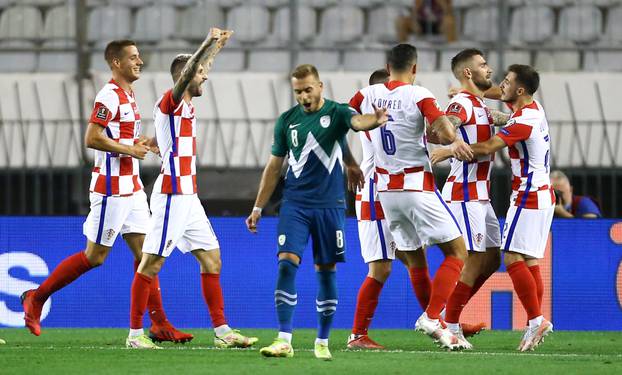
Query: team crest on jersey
x=109 y=234
x=102 y=113
x=454 y=108
x=325 y=121
x=282 y=239
x=479 y=238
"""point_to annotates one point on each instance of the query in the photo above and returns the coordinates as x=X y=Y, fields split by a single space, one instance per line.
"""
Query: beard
x=483 y=84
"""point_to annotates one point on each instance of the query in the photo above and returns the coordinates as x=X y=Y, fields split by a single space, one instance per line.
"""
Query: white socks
x=286 y=336
x=535 y=321
x=222 y=330
x=322 y=341
x=136 y=332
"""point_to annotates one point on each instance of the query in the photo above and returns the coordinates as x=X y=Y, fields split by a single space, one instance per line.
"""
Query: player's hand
x=224 y=36
x=439 y=154
x=461 y=150
x=355 y=178
x=152 y=143
x=214 y=33
x=140 y=149
x=252 y=220
x=452 y=91
x=381 y=115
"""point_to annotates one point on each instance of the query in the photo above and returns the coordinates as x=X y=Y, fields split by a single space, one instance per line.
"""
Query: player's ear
x=321 y=84
x=414 y=70
x=388 y=68
x=520 y=91
x=467 y=73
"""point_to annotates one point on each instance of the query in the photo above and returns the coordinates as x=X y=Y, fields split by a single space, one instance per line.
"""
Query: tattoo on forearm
x=455 y=121
x=191 y=68
x=499 y=118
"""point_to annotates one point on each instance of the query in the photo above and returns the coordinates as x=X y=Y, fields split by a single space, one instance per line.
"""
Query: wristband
x=257 y=209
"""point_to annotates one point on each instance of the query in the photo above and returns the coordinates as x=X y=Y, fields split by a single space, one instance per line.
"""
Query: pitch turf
x=94 y=351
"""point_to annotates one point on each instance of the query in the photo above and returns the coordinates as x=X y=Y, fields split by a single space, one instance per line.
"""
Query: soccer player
x=118 y=202
x=467 y=186
x=378 y=246
x=312 y=135
x=532 y=203
x=178 y=218
x=416 y=213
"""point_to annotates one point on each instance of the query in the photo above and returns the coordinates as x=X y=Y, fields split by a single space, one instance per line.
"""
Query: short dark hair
x=178 y=64
x=526 y=76
x=402 y=56
x=304 y=70
x=115 y=48
x=378 y=76
x=462 y=57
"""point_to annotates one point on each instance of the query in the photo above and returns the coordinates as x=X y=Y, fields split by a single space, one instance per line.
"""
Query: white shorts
x=526 y=231
x=418 y=218
x=178 y=220
x=480 y=226
x=112 y=215
x=376 y=240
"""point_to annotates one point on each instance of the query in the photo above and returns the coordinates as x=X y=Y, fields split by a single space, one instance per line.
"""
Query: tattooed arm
x=499 y=118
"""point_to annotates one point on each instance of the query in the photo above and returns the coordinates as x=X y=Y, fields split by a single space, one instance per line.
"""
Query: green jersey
x=314 y=143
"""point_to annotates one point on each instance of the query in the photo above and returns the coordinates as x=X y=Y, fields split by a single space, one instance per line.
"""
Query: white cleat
x=433 y=328
x=140 y=342
x=462 y=341
x=535 y=335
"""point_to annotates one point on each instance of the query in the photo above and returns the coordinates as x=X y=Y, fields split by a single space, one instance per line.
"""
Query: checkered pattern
x=470 y=181
x=369 y=193
x=116 y=174
x=528 y=139
x=411 y=179
x=176 y=133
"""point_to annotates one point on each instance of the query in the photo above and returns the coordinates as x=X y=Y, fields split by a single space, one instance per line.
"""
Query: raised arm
x=269 y=179
x=197 y=59
x=370 y=121
x=212 y=52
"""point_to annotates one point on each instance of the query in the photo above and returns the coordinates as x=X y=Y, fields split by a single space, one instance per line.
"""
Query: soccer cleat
x=140 y=342
x=166 y=332
x=433 y=328
x=363 y=342
x=321 y=352
x=523 y=338
x=279 y=348
x=535 y=335
x=32 y=312
x=472 y=329
x=234 y=339
x=459 y=333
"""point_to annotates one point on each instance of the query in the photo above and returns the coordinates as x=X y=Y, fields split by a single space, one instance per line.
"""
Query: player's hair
x=304 y=70
x=378 y=76
x=402 y=56
x=114 y=49
x=557 y=174
x=462 y=57
x=526 y=76
x=178 y=64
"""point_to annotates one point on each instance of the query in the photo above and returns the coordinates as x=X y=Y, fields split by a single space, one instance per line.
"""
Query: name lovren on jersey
x=388 y=104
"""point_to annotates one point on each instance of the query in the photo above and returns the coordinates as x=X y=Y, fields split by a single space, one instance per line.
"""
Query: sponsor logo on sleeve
x=102 y=113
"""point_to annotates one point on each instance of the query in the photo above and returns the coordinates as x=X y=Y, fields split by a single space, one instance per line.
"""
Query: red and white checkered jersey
x=400 y=154
x=470 y=181
x=175 y=126
x=527 y=136
x=116 y=174
x=367 y=203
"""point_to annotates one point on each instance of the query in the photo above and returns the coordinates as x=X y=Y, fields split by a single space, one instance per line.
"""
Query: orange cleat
x=363 y=342
x=32 y=312
x=472 y=329
x=166 y=332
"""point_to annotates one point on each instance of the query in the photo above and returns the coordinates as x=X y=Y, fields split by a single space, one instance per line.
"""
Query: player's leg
x=293 y=235
x=417 y=266
x=101 y=228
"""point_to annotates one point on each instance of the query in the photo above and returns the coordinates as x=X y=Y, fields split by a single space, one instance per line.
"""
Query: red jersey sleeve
x=356 y=101
x=458 y=110
x=101 y=115
x=167 y=104
x=514 y=133
x=430 y=109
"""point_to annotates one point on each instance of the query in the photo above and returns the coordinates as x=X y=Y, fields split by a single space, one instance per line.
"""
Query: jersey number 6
x=388 y=141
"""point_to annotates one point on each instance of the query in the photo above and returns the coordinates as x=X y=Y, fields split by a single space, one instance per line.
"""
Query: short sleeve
x=514 y=133
x=167 y=104
x=459 y=109
x=105 y=108
x=427 y=104
x=279 y=139
x=587 y=206
x=356 y=101
x=344 y=115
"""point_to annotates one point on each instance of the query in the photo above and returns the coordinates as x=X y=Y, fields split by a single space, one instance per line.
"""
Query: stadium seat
x=195 y=21
x=341 y=24
x=154 y=23
x=307 y=26
x=21 y=59
x=320 y=4
x=160 y=59
x=63 y=60
x=613 y=30
x=480 y=24
x=60 y=23
x=269 y=61
x=250 y=22
x=549 y=61
x=580 y=23
x=532 y=24
x=97 y=60
x=382 y=23
x=364 y=61
x=603 y=61
x=40 y=3
x=108 y=23
x=426 y=60
x=229 y=61
x=21 y=23
x=509 y=57
x=341 y=87
x=324 y=60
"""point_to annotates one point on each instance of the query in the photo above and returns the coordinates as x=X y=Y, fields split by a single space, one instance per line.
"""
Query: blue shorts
x=324 y=225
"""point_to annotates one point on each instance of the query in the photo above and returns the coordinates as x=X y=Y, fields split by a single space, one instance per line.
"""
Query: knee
x=380 y=271
x=214 y=265
x=461 y=253
x=151 y=265
x=96 y=257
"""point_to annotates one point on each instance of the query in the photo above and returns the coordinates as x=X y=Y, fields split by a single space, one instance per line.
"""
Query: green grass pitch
x=102 y=351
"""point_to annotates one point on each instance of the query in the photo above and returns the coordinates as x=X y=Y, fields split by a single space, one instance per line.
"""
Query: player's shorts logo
x=478 y=239
x=282 y=239
x=393 y=246
x=325 y=121
x=168 y=244
x=109 y=234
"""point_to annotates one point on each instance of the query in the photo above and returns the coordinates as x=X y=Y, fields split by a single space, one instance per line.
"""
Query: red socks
x=138 y=303
x=481 y=279
x=212 y=293
x=154 y=303
x=443 y=285
x=459 y=298
x=525 y=287
x=366 y=303
x=66 y=272
x=535 y=272
x=420 y=280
